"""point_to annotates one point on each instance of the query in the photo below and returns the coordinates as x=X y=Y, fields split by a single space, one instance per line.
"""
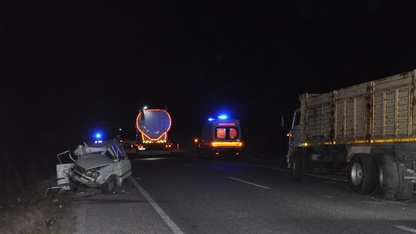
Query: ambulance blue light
x=222 y=117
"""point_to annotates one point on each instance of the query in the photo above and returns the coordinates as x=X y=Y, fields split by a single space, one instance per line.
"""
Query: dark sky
x=67 y=65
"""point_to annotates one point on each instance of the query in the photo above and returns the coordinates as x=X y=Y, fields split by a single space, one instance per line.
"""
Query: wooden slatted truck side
x=367 y=130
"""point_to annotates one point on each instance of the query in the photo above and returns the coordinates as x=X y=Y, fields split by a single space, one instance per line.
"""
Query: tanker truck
x=152 y=127
x=367 y=130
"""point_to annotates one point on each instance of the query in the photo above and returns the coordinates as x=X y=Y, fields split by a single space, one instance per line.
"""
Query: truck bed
x=371 y=112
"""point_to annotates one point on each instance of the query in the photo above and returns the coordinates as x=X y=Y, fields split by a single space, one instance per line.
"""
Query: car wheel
x=109 y=186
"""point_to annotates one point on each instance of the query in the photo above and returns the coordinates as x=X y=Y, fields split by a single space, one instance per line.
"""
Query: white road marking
x=162 y=214
x=284 y=170
x=249 y=183
x=189 y=165
x=326 y=177
x=412 y=230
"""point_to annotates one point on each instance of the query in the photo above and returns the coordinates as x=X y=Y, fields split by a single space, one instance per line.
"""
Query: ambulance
x=220 y=137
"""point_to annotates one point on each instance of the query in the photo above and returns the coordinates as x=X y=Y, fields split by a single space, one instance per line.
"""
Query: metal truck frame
x=368 y=130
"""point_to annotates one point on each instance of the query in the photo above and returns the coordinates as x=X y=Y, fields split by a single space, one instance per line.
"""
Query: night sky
x=68 y=65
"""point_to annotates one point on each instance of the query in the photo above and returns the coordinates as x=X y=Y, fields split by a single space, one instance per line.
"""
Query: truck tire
x=362 y=174
x=296 y=167
x=404 y=189
x=109 y=186
x=388 y=177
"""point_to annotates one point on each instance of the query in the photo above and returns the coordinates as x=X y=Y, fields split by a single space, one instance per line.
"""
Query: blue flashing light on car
x=98 y=137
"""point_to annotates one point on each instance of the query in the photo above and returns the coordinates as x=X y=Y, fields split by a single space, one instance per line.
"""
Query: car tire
x=109 y=185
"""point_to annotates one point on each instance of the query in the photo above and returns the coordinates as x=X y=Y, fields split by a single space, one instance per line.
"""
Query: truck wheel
x=405 y=189
x=388 y=177
x=296 y=167
x=109 y=186
x=362 y=174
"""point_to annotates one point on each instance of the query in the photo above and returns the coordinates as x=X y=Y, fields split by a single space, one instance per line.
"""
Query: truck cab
x=294 y=136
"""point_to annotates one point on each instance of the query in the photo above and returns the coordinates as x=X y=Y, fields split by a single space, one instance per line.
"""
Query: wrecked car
x=104 y=166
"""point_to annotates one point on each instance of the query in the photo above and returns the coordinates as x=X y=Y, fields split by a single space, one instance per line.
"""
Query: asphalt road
x=182 y=193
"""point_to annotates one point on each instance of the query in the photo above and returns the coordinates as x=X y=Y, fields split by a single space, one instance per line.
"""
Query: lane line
x=326 y=177
x=261 y=186
x=161 y=213
x=189 y=165
x=286 y=170
x=412 y=230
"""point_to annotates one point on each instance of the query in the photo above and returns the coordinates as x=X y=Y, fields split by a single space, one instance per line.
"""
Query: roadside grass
x=24 y=205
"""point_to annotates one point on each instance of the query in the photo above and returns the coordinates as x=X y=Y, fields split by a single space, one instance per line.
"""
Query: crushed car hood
x=93 y=160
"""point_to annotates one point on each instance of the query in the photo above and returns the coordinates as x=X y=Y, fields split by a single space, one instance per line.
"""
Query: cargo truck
x=152 y=127
x=220 y=137
x=367 y=130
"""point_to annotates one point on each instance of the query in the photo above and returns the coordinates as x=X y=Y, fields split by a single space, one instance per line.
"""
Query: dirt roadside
x=40 y=212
